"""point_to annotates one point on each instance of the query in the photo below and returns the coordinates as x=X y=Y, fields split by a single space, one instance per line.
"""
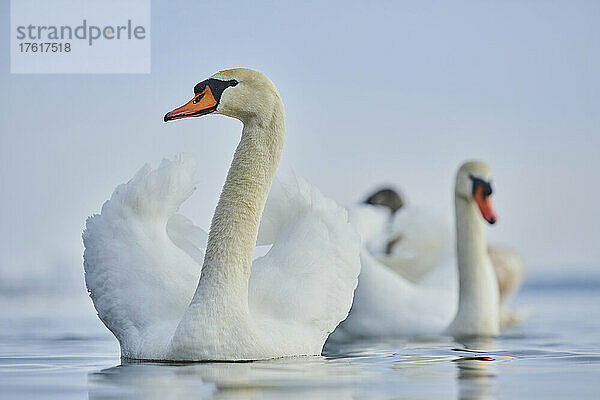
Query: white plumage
x=429 y=285
x=143 y=261
x=139 y=279
x=415 y=242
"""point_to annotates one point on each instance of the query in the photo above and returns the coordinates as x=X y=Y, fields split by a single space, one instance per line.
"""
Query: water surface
x=53 y=346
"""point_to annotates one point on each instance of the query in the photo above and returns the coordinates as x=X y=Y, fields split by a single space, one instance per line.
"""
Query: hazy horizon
x=376 y=94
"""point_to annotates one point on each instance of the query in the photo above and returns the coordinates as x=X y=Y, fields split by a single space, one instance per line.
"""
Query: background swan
x=413 y=240
x=142 y=261
x=387 y=304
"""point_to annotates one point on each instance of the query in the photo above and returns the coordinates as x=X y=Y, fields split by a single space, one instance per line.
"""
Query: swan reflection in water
x=399 y=368
x=300 y=377
x=476 y=373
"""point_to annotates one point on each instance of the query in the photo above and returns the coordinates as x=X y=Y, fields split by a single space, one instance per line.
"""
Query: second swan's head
x=474 y=184
x=386 y=197
x=238 y=93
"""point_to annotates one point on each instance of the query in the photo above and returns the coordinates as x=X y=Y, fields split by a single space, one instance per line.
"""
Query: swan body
x=509 y=270
x=388 y=304
x=415 y=240
x=167 y=293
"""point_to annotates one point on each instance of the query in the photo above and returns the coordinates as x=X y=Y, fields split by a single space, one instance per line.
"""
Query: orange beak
x=485 y=205
x=203 y=103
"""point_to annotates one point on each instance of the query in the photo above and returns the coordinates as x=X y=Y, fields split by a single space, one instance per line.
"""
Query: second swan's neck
x=478 y=293
x=234 y=226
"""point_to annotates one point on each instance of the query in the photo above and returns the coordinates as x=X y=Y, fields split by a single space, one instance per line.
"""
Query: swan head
x=386 y=197
x=474 y=184
x=239 y=93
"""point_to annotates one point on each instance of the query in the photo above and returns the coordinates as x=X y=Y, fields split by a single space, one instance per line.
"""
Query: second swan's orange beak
x=203 y=103
x=484 y=202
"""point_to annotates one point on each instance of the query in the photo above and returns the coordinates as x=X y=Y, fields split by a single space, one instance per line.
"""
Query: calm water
x=53 y=346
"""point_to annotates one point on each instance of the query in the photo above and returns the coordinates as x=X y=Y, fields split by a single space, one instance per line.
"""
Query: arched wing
x=141 y=260
x=308 y=277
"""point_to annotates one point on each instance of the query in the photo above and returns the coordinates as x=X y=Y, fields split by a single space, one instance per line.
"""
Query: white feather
x=143 y=261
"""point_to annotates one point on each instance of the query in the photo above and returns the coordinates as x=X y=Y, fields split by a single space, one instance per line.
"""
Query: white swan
x=142 y=261
x=387 y=304
x=412 y=240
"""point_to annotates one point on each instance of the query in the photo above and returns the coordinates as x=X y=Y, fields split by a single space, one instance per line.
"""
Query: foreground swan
x=387 y=304
x=142 y=261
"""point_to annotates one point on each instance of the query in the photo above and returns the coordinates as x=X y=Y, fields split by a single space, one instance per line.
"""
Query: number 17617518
x=34 y=47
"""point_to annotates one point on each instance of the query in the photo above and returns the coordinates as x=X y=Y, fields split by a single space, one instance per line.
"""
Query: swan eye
x=478 y=182
x=197 y=99
x=488 y=189
x=233 y=82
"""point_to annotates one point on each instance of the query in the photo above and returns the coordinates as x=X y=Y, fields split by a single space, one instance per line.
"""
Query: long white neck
x=478 y=307
x=234 y=226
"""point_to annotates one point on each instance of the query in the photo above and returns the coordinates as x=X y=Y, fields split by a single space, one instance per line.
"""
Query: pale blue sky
x=375 y=92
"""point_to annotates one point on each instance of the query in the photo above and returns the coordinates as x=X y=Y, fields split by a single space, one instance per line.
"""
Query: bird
x=412 y=240
x=388 y=304
x=167 y=291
